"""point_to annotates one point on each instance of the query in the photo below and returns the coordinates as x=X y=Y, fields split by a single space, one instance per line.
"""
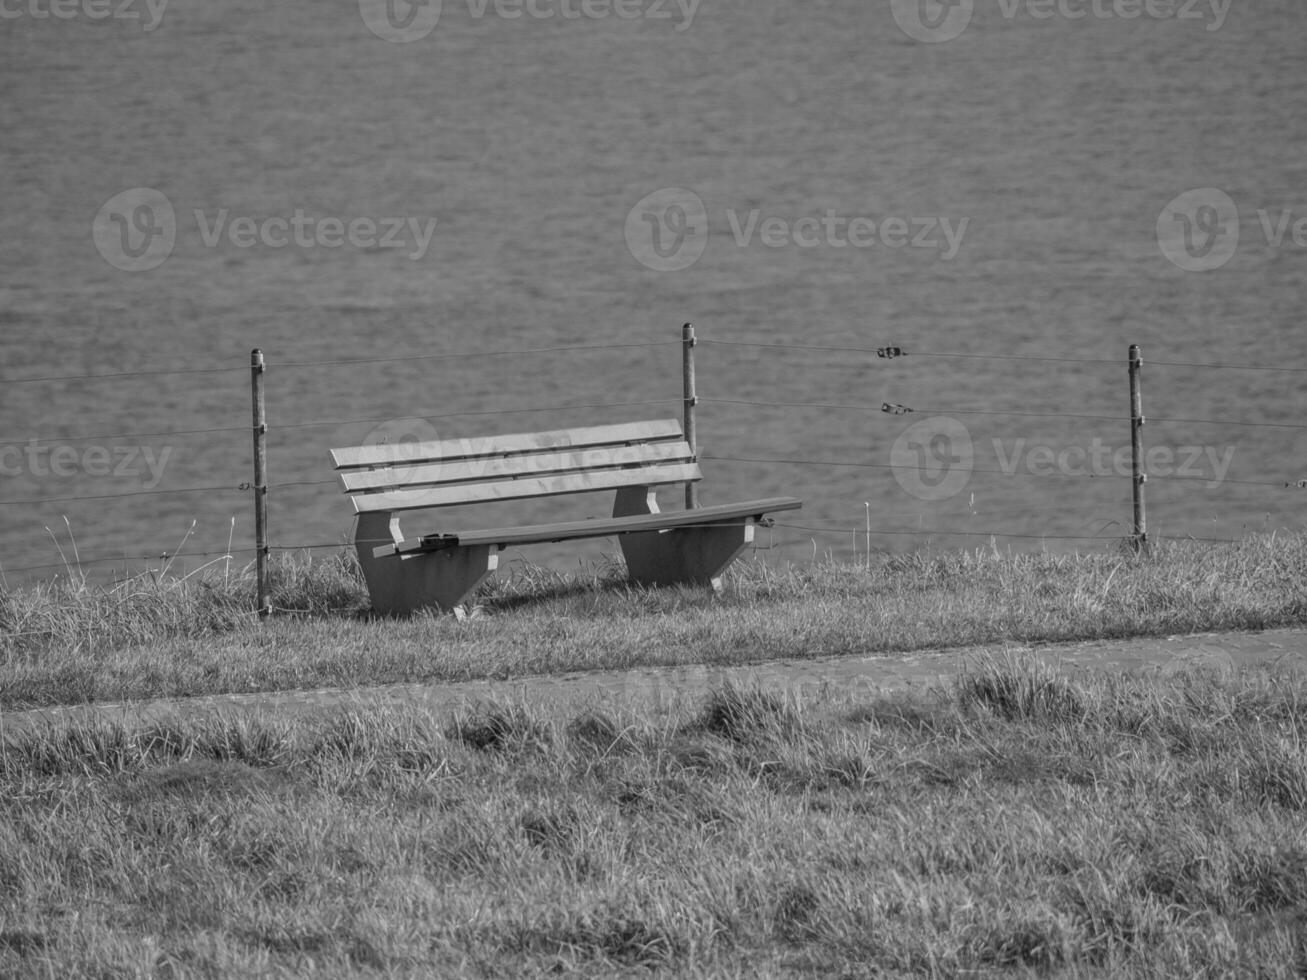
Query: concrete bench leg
x=690 y=555
x=403 y=584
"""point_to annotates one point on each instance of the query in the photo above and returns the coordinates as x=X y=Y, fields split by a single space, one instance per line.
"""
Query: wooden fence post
x=263 y=599
x=691 y=399
x=1139 y=478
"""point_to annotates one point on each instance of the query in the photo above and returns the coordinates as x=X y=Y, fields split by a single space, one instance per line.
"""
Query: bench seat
x=503 y=537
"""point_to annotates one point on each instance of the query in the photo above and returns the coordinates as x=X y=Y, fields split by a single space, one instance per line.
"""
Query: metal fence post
x=1139 y=478
x=691 y=399
x=263 y=598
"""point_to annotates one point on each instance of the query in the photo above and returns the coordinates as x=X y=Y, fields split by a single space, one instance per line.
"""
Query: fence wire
x=887 y=352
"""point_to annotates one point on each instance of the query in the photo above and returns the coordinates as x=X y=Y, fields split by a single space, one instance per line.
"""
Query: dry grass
x=1015 y=824
x=156 y=636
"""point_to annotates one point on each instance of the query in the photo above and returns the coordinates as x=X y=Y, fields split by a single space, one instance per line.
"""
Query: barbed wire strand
x=113 y=496
x=861 y=530
x=927 y=410
x=337 y=422
x=150 y=373
x=913 y=466
x=838 y=531
x=158 y=372
x=1147 y=362
x=568 y=348
x=929 y=531
x=1269 y=425
x=125 y=435
x=159 y=556
x=1170 y=478
x=909 y=352
x=303 y=483
x=997 y=472
x=914 y=411
x=750 y=402
x=905 y=352
x=1282 y=484
x=479 y=353
x=451 y=415
x=165 y=433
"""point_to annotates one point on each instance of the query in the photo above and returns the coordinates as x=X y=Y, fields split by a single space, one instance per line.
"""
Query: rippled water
x=1058 y=141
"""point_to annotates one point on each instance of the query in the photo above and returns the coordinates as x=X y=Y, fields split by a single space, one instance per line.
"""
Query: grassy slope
x=150 y=638
x=1015 y=824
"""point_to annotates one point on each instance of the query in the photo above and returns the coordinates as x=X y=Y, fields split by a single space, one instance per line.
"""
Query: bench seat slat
x=412 y=476
x=451 y=449
x=569 y=530
x=542 y=486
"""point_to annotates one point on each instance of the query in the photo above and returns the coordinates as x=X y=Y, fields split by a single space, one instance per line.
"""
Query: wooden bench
x=443 y=568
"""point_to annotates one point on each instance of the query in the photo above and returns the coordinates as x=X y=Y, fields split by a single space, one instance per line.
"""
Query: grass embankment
x=1016 y=823
x=150 y=637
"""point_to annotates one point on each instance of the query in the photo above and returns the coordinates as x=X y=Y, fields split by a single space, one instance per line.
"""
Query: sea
x=916 y=241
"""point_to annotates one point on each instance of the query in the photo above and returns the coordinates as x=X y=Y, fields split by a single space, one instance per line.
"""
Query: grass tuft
x=1028 y=690
x=1154 y=830
x=501 y=728
x=746 y=714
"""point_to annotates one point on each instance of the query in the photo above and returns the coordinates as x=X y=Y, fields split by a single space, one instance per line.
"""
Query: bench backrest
x=405 y=476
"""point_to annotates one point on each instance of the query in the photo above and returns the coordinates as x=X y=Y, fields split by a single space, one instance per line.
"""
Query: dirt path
x=659 y=687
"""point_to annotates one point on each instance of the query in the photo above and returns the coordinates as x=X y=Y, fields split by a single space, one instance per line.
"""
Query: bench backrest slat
x=488 y=468
x=409 y=453
x=407 y=476
x=542 y=486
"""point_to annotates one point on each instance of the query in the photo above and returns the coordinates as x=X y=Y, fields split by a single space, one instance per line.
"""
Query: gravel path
x=660 y=687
